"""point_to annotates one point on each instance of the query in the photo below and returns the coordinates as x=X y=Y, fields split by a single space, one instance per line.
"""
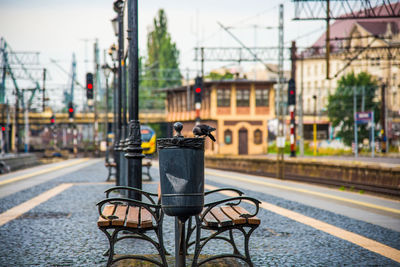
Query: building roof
x=342 y=28
x=220 y=82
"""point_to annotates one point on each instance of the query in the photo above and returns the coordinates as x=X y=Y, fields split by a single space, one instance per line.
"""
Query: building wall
x=314 y=79
x=234 y=119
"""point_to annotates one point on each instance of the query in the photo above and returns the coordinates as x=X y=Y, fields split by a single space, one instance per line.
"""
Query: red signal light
x=291 y=92
x=90 y=86
x=198 y=90
x=3 y=128
x=52 y=120
x=70 y=110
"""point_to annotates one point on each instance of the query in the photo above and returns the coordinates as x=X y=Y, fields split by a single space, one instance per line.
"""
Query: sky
x=59 y=28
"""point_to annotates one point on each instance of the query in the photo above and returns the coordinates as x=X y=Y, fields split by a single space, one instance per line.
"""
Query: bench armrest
x=148 y=195
x=232 y=202
x=156 y=213
x=224 y=189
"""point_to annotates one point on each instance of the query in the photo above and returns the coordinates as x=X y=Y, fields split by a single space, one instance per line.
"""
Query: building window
x=228 y=137
x=262 y=97
x=257 y=137
x=224 y=97
x=243 y=97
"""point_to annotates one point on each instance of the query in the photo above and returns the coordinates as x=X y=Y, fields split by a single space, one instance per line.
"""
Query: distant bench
x=112 y=169
x=112 y=166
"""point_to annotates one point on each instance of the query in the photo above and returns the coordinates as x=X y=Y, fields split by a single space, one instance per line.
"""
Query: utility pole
x=187 y=91
x=279 y=103
x=43 y=90
x=95 y=92
x=355 y=122
x=383 y=118
x=4 y=70
x=327 y=40
x=301 y=129
x=26 y=119
x=292 y=106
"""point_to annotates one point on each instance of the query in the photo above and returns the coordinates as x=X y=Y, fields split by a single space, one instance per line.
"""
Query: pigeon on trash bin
x=204 y=130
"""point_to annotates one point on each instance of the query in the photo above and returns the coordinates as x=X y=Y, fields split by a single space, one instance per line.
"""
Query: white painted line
x=17 y=211
x=369 y=244
x=305 y=191
x=28 y=175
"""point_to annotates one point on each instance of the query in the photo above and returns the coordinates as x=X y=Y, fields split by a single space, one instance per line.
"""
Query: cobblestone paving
x=63 y=231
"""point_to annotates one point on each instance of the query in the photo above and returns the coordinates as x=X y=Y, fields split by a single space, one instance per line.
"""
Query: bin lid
x=178 y=142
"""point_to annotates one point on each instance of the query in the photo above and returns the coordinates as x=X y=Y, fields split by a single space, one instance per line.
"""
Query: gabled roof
x=342 y=28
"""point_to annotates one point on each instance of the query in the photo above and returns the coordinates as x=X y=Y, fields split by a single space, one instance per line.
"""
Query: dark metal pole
x=134 y=149
x=44 y=89
x=292 y=108
x=124 y=134
x=118 y=147
x=116 y=129
x=106 y=121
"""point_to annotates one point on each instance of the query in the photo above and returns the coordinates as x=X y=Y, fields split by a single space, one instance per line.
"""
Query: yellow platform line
x=28 y=175
x=309 y=192
x=17 y=211
x=366 y=243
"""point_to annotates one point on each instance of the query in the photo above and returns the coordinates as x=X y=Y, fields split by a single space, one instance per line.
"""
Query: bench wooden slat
x=120 y=212
x=132 y=218
x=111 y=164
x=221 y=216
x=107 y=211
x=145 y=218
x=210 y=220
x=241 y=210
x=231 y=213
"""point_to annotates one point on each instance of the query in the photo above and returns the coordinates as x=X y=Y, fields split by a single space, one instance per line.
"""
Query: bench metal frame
x=246 y=229
x=112 y=232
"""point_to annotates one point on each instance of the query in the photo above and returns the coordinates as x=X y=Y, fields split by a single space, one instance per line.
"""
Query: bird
x=204 y=130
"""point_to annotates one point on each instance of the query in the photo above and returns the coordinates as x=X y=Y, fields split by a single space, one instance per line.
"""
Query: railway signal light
x=3 y=128
x=71 y=110
x=52 y=120
x=198 y=89
x=292 y=92
x=89 y=85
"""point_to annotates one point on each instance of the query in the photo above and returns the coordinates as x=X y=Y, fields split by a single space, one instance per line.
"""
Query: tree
x=215 y=76
x=161 y=68
x=340 y=105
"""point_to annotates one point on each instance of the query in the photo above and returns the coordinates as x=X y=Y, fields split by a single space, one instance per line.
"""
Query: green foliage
x=217 y=76
x=340 y=105
x=161 y=66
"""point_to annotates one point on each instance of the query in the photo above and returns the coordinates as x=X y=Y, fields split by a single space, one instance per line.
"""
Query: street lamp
x=114 y=23
x=134 y=149
x=121 y=120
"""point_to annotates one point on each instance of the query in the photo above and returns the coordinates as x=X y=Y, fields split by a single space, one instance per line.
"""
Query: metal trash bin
x=181 y=164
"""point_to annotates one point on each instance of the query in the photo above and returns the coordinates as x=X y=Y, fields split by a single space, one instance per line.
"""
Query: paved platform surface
x=62 y=230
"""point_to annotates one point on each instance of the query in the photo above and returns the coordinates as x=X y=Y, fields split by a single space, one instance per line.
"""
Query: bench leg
x=109 y=174
x=201 y=242
x=111 y=240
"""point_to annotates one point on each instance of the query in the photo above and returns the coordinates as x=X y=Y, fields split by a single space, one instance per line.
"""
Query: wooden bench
x=112 y=169
x=147 y=164
x=122 y=218
x=224 y=216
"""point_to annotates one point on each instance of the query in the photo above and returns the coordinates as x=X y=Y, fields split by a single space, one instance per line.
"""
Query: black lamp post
x=117 y=119
x=134 y=149
x=120 y=143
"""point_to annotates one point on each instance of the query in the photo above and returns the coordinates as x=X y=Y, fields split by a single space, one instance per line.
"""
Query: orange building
x=238 y=109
